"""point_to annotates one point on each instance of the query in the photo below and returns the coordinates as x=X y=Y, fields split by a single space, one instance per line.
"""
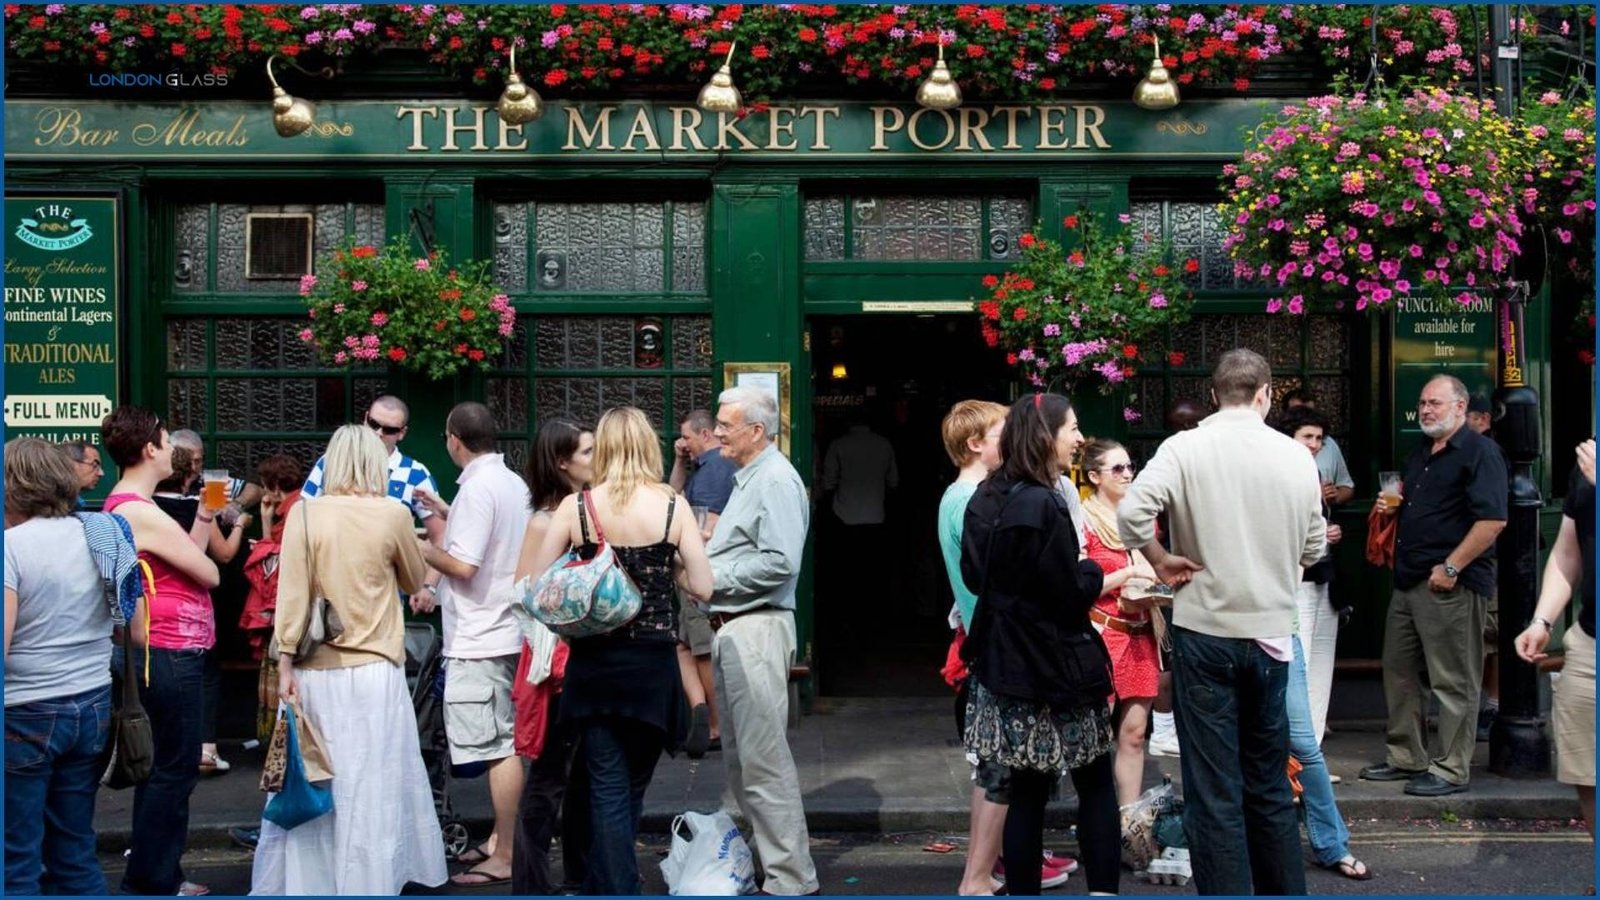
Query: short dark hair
x=1300 y=396
x=281 y=472
x=555 y=443
x=1238 y=375
x=40 y=482
x=126 y=431
x=1300 y=417
x=80 y=450
x=700 y=420
x=473 y=425
x=182 y=467
x=1028 y=442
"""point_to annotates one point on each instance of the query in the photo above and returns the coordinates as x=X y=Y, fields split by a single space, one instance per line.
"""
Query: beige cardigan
x=365 y=553
x=1244 y=501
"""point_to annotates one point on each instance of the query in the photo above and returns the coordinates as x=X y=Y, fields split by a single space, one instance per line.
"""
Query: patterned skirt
x=1024 y=734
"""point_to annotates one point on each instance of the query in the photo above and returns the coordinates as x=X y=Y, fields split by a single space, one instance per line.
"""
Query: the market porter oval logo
x=54 y=228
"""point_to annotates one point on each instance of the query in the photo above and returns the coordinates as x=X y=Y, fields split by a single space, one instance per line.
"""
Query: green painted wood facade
x=760 y=290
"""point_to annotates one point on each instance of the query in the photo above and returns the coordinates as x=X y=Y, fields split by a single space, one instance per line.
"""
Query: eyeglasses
x=1122 y=469
x=1435 y=404
x=725 y=428
x=390 y=430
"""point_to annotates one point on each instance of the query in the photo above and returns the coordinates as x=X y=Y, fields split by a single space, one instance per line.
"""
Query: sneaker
x=190 y=889
x=1060 y=861
x=245 y=837
x=1164 y=745
x=1049 y=877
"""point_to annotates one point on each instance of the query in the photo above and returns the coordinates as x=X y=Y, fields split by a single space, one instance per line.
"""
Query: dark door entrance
x=881 y=596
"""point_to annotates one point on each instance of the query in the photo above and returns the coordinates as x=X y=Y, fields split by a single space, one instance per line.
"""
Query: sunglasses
x=390 y=430
x=1121 y=469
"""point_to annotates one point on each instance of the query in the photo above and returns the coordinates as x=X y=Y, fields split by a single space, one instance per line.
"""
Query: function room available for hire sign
x=62 y=281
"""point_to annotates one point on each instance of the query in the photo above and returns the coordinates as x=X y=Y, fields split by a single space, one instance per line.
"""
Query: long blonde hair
x=627 y=454
x=356 y=463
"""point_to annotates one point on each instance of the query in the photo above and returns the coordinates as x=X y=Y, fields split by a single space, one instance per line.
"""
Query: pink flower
x=1130 y=415
x=1274 y=305
x=380 y=319
x=358 y=285
x=1158 y=301
x=306 y=335
x=1297 y=305
x=307 y=282
x=338 y=309
x=421 y=265
x=352 y=341
x=341 y=357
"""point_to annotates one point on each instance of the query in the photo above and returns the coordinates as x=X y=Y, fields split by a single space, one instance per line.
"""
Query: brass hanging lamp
x=519 y=104
x=1157 y=90
x=290 y=115
x=940 y=91
x=719 y=95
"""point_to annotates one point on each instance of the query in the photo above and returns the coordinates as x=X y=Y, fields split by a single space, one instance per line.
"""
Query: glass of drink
x=214 y=496
x=700 y=514
x=1389 y=489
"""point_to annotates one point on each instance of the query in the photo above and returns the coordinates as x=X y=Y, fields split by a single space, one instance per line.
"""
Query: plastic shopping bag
x=300 y=801
x=1139 y=844
x=709 y=858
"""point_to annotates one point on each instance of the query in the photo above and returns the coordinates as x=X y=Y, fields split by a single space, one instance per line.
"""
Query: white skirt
x=383 y=831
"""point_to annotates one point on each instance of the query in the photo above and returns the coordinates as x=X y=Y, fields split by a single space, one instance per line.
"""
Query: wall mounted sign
x=771 y=378
x=1434 y=337
x=470 y=130
x=63 y=273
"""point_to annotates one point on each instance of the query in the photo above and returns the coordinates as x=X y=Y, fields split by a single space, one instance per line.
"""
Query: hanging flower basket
x=1086 y=315
x=1373 y=199
x=373 y=305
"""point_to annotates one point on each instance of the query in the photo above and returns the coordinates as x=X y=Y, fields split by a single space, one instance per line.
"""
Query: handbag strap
x=585 y=501
x=311 y=569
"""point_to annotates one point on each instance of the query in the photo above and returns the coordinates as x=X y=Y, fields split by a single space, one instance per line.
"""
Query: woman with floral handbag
x=350 y=552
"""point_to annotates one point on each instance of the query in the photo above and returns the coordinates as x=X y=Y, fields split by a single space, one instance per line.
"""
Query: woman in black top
x=622 y=694
x=1041 y=677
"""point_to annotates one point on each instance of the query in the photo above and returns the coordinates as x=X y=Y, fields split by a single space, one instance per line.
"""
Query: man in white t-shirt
x=482 y=540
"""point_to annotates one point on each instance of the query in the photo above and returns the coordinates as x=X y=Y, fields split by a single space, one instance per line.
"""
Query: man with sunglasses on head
x=408 y=478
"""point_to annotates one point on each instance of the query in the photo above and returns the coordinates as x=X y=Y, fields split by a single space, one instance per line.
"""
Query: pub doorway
x=881 y=595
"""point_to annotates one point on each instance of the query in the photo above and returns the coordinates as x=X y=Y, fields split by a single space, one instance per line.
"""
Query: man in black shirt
x=1571 y=559
x=1454 y=497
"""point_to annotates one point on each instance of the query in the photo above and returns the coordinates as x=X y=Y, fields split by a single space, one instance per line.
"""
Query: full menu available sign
x=1439 y=337
x=62 y=299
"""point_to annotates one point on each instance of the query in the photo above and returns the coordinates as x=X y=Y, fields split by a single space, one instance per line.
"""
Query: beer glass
x=1389 y=489
x=215 y=494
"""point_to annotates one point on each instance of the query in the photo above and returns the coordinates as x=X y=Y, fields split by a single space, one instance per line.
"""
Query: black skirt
x=631 y=679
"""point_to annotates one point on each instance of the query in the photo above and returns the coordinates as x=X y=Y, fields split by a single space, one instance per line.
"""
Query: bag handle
x=311 y=569
x=587 y=501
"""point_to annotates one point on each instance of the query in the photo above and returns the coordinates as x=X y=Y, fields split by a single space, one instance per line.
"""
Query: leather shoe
x=1386 y=772
x=1431 y=785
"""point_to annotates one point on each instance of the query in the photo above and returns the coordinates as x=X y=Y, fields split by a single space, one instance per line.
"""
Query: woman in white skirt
x=357 y=545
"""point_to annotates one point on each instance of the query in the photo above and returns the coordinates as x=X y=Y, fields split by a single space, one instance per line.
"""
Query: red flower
x=1027 y=240
x=1127 y=371
x=1175 y=359
x=974 y=51
x=278 y=25
x=1024 y=284
x=1584 y=356
x=1011 y=359
x=1047 y=84
x=1076 y=257
x=468 y=314
x=440 y=325
x=475 y=355
x=1160 y=270
x=1241 y=84
x=605 y=43
x=554 y=77
x=990 y=281
x=1130 y=351
x=450 y=294
x=145 y=31
x=398 y=354
x=1191 y=266
x=365 y=251
x=808 y=35
x=991 y=337
x=461 y=348
x=174 y=18
x=1020 y=314
x=760 y=51
x=1070 y=221
x=989 y=309
x=179 y=49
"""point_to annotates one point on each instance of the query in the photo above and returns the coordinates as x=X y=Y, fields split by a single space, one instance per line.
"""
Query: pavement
x=893 y=765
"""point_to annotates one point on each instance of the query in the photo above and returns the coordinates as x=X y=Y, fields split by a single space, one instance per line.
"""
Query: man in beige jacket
x=1245 y=510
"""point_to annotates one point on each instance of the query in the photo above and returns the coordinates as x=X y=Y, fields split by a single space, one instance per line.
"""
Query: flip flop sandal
x=473 y=856
x=487 y=880
x=1351 y=868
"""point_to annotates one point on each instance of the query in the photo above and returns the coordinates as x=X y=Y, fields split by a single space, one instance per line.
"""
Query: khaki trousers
x=750 y=658
x=1434 y=642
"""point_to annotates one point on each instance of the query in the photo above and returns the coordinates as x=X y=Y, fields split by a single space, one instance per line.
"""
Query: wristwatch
x=1450 y=571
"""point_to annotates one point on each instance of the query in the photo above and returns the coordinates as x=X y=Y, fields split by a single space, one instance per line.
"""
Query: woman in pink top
x=171 y=634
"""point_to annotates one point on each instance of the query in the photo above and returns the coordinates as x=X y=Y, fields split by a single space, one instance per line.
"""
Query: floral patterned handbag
x=582 y=597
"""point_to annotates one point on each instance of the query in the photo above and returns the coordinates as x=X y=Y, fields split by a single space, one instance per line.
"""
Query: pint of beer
x=1389 y=489
x=214 y=495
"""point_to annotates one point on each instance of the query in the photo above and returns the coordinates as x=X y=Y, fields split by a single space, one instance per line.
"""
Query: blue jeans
x=52 y=773
x=1238 y=807
x=1330 y=839
x=619 y=757
x=174 y=700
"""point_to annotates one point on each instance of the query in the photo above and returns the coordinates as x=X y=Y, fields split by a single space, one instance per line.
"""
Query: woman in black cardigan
x=1041 y=677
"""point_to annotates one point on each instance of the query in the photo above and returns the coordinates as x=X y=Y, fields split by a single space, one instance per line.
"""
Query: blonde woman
x=623 y=697
x=357 y=545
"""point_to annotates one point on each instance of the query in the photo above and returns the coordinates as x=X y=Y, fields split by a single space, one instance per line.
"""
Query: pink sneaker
x=1049 y=876
x=1060 y=861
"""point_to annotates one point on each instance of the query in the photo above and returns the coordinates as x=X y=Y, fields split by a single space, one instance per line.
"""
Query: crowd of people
x=1086 y=589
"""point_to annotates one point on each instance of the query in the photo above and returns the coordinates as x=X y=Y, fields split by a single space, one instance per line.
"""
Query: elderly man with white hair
x=756 y=553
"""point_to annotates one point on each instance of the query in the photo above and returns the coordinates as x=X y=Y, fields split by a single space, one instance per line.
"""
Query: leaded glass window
x=558 y=248
x=580 y=366
x=905 y=228
x=1195 y=230
x=211 y=242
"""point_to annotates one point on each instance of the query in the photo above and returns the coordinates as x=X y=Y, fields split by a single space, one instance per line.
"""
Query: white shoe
x=1164 y=745
x=1334 y=779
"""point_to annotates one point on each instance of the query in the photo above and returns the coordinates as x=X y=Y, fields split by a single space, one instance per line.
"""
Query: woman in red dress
x=1128 y=626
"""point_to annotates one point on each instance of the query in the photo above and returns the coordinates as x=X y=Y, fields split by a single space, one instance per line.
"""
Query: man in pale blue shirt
x=756 y=553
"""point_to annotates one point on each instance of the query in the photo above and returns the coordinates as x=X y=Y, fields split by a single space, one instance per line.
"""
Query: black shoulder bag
x=130 y=751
